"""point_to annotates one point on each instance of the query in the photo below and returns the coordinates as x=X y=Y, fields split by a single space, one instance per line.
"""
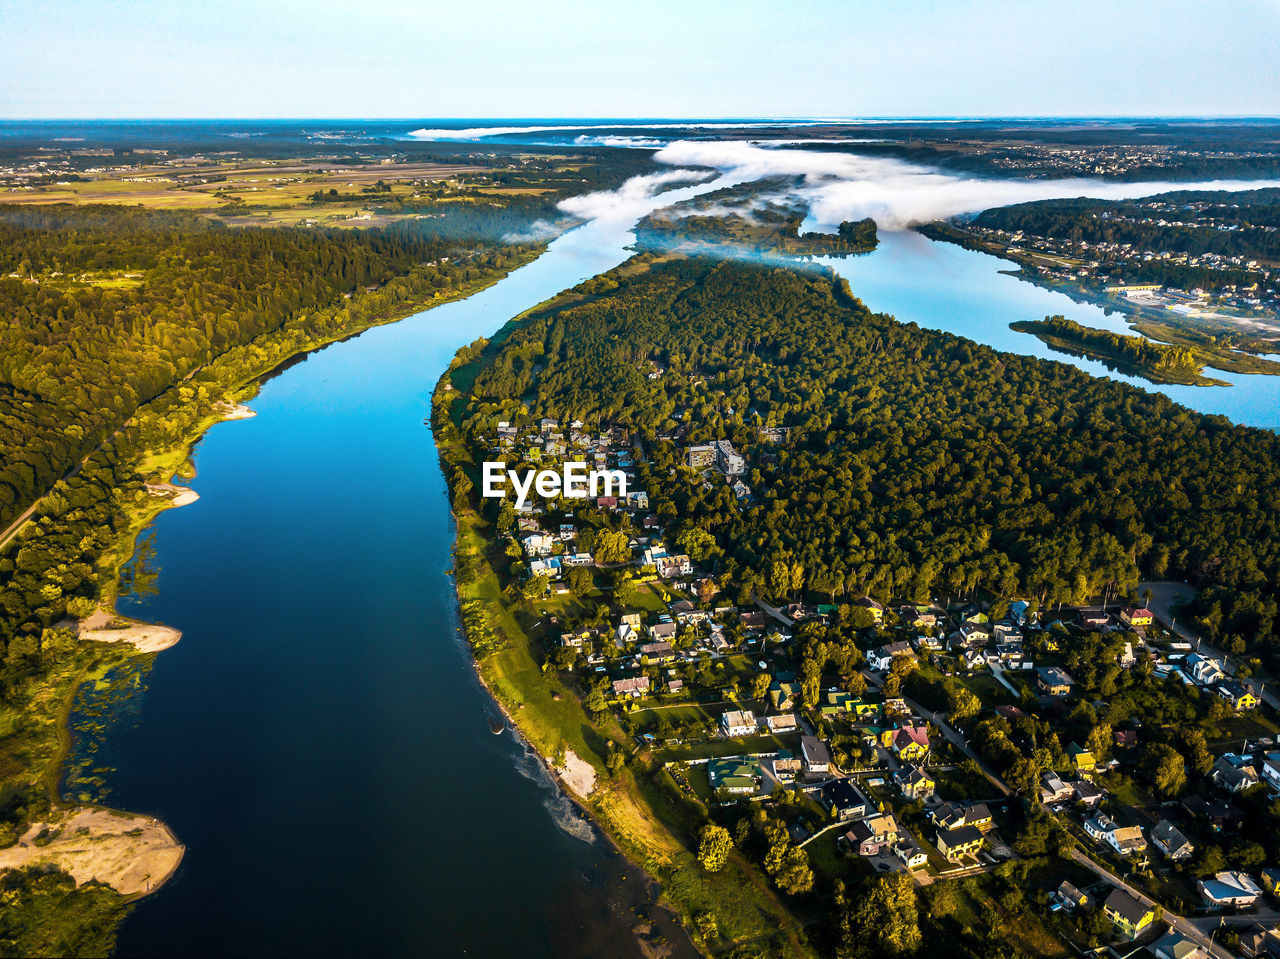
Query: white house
x=882 y=658
x=1125 y=840
x=1205 y=670
x=738 y=722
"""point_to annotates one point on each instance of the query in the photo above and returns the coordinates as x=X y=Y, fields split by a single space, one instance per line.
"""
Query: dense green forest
x=919 y=463
x=107 y=308
x=1135 y=355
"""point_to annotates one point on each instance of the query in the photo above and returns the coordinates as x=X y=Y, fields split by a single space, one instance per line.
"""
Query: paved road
x=956 y=739
x=1184 y=926
x=1164 y=596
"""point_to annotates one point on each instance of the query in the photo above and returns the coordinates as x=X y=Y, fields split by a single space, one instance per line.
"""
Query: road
x=955 y=738
x=1181 y=925
x=1167 y=594
x=1184 y=926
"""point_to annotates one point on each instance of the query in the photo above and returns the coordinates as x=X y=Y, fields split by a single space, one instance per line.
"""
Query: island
x=1132 y=355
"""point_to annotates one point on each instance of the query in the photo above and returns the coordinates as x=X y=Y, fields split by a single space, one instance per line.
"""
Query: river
x=318 y=738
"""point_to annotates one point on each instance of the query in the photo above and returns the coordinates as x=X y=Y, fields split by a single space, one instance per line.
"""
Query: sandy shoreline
x=99 y=627
x=132 y=853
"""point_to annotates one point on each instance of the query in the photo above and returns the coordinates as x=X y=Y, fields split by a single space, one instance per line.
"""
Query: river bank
x=136 y=854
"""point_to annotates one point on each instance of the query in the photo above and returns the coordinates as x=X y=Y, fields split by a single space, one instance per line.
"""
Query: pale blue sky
x=696 y=58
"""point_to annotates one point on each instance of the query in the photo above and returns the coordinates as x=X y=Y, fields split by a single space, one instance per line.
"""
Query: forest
x=110 y=307
x=918 y=463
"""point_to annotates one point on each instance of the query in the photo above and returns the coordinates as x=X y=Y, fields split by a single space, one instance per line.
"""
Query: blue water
x=318 y=738
x=942 y=286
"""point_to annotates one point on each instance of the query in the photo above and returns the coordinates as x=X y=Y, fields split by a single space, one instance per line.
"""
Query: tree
x=962 y=703
x=713 y=847
x=794 y=876
x=1168 y=770
x=885 y=922
x=612 y=546
x=760 y=685
x=579 y=580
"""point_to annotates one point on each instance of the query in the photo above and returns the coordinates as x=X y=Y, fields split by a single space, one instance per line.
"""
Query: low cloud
x=537 y=232
x=477 y=133
x=842 y=186
x=631 y=200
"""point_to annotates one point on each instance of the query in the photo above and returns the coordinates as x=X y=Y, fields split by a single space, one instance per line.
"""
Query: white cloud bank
x=843 y=186
x=630 y=201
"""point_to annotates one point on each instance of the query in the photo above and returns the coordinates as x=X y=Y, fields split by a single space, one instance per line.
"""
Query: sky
x=645 y=58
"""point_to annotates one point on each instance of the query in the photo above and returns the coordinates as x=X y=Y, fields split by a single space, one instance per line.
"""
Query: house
x=1125 y=840
x=1271 y=880
x=1125 y=738
x=1219 y=815
x=1233 y=773
x=1082 y=758
x=784 y=695
x=549 y=567
x=671 y=566
x=871 y=606
x=660 y=652
x=1166 y=837
x=1053 y=680
x=951 y=815
x=1127 y=914
x=1070 y=897
x=842 y=799
x=1053 y=789
x=663 y=632
x=914 y=782
x=538 y=544
x=1136 y=617
x=817 y=758
x=911 y=743
x=1260 y=942
x=882 y=658
x=738 y=722
x=1094 y=618
x=955 y=844
x=1270 y=770
x=1205 y=670
x=1173 y=945
x=634 y=687
x=1233 y=889
x=868 y=837
x=739 y=775
x=1086 y=793
x=782 y=723
x=786 y=766
x=1018 y=611
x=1239 y=695
x=909 y=852
x=1006 y=633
